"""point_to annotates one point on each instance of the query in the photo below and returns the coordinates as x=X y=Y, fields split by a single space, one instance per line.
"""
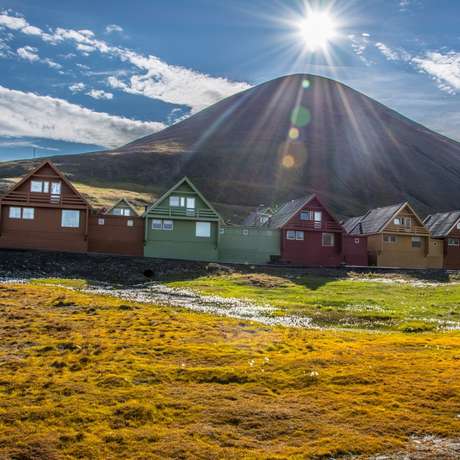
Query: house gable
x=405 y=220
x=45 y=186
x=183 y=201
x=122 y=208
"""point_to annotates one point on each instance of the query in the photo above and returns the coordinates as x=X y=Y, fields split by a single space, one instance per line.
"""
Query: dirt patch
x=262 y=280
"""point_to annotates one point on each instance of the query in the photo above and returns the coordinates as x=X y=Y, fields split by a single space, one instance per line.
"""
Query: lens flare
x=300 y=116
x=294 y=133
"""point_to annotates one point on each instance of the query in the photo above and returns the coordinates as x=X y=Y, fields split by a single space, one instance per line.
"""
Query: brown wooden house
x=445 y=226
x=397 y=238
x=119 y=230
x=44 y=211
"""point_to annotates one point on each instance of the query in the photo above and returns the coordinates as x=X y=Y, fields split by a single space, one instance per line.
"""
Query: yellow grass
x=85 y=376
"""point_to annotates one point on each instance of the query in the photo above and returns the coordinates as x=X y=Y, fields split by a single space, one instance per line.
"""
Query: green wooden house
x=182 y=224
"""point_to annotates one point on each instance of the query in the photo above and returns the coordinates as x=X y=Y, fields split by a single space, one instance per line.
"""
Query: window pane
x=290 y=235
x=126 y=212
x=157 y=224
x=168 y=225
x=317 y=216
x=299 y=236
x=306 y=215
x=190 y=203
x=56 y=188
x=203 y=229
x=100 y=221
x=328 y=239
x=130 y=223
x=173 y=201
x=36 y=186
x=15 y=213
x=28 y=213
x=117 y=212
x=46 y=187
x=70 y=219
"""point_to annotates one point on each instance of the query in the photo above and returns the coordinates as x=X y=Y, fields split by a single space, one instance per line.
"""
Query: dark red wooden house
x=312 y=236
x=445 y=226
x=119 y=230
x=44 y=211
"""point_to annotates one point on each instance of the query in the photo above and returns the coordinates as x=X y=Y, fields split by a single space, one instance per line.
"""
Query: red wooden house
x=119 y=230
x=445 y=226
x=44 y=211
x=312 y=236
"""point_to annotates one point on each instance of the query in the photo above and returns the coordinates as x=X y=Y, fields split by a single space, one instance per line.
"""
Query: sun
x=317 y=30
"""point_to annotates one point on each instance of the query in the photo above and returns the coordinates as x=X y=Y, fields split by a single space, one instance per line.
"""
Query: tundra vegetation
x=88 y=376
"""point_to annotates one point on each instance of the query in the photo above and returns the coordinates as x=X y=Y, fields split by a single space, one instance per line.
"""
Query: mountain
x=243 y=151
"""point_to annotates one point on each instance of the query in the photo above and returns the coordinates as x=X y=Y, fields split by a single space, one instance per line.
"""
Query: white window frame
x=56 y=188
x=290 y=235
x=318 y=216
x=326 y=244
x=299 y=235
x=203 y=229
x=417 y=240
x=307 y=215
x=66 y=212
x=36 y=186
x=14 y=212
x=46 y=186
x=117 y=212
x=390 y=239
x=174 y=201
x=191 y=202
x=130 y=223
x=157 y=224
x=100 y=221
x=453 y=242
x=30 y=212
x=168 y=225
x=126 y=212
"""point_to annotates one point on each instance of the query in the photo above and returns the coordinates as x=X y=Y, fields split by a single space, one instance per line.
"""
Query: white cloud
x=157 y=79
x=52 y=64
x=113 y=28
x=77 y=87
x=99 y=94
x=359 y=44
x=25 y=144
x=28 y=53
x=444 y=68
x=391 y=54
x=32 y=115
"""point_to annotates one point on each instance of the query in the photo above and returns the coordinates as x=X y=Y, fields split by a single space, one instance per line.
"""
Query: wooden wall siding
x=44 y=232
x=115 y=236
x=451 y=253
x=355 y=250
x=416 y=228
x=181 y=242
x=248 y=245
x=402 y=255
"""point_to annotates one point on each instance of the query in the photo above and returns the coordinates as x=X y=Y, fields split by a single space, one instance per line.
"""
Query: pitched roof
x=441 y=224
x=59 y=173
x=125 y=201
x=187 y=181
x=373 y=221
x=252 y=219
x=284 y=213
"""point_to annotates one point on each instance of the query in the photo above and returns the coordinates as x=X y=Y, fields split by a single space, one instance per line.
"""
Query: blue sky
x=91 y=75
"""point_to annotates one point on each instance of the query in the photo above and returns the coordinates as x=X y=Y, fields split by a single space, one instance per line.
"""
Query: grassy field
x=85 y=376
x=362 y=303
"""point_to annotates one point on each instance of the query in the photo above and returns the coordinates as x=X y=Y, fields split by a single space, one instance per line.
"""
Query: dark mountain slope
x=353 y=151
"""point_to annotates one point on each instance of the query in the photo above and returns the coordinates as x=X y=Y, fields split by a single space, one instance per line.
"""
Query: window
x=403 y=221
x=15 y=213
x=46 y=187
x=190 y=203
x=245 y=232
x=130 y=223
x=28 y=213
x=117 y=212
x=318 y=216
x=173 y=201
x=327 y=239
x=168 y=225
x=36 y=186
x=357 y=240
x=453 y=242
x=100 y=221
x=290 y=235
x=306 y=215
x=157 y=224
x=416 y=242
x=299 y=236
x=70 y=219
x=263 y=219
x=389 y=238
x=55 y=188
x=203 y=229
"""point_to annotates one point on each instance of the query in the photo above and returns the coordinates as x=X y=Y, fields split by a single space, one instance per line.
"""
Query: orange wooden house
x=44 y=211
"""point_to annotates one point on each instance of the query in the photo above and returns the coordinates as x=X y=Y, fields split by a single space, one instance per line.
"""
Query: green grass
x=95 y=377
x=67 y=282
x=343 y=302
